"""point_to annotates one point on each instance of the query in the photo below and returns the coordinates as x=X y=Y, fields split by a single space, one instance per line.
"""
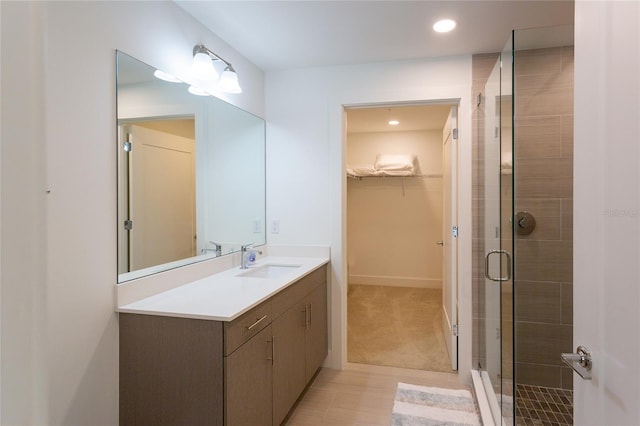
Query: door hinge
x=454 y=232
x=454 y=330
x=455 y=134
x=128 y=225
x=127 y=146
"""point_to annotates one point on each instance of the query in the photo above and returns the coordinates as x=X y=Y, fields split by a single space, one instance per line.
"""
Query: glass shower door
x=496 y=334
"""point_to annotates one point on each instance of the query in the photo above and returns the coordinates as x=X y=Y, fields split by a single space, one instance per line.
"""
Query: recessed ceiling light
x=394 y=122
x=444 y=25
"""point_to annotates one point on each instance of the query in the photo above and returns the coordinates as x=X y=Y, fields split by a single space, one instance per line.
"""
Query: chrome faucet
x=244 y=252
x=218 y=248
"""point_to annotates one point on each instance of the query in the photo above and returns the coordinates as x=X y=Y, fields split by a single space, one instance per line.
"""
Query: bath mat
x=422 y=405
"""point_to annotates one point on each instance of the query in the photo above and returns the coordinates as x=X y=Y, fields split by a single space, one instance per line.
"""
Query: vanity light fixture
x=444 y=25
x=204 y=71
x=166 y=77
x=393 y=122
x=195 y=90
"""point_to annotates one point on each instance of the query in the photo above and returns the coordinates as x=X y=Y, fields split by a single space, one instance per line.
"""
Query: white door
x=607 y=211
x=162 y=203
x=450 y=246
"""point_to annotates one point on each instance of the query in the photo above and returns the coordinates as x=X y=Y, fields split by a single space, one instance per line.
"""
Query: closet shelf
x=393 y=177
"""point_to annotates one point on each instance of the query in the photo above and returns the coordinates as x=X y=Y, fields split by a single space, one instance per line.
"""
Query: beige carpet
x=397 y=327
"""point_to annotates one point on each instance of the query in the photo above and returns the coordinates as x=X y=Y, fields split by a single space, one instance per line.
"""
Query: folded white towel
x=396 y=173
x=396 y=162
x=362 y=170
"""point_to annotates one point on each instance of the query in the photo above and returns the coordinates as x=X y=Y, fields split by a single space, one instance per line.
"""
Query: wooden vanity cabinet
x=300 y=339
x=171 y=371
x=250 y=371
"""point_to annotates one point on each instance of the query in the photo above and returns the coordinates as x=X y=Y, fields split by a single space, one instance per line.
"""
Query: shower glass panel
x=496 y=292
x=525 y=209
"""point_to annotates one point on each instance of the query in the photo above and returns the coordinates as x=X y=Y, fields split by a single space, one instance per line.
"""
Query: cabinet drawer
x=296 y=291
x=248 y=325
x=307 y=284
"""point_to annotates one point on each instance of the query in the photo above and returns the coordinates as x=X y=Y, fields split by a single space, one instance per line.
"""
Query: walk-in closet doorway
x=401 y=248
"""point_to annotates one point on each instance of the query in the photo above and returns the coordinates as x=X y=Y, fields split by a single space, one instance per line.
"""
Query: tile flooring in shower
x=537 y=405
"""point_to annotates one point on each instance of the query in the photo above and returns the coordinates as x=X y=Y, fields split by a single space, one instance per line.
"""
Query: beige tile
x=345 y=416
x=565 y=261
x=566 y=134
x=482 y=65
x=542 y=343
x=538 y=61
x=566 y=219
x=567 y=378
x=545 y=187
x=539 y=207
x=540 y=260
x=538 y=137
x=544 y=94
x=540 y=168
x=538 y=301
x=567 y=303
x=359 y=395
x=547 y=214
x=539 y=375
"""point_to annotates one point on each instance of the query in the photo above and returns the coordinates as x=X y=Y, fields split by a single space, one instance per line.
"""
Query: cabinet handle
x=256 y=323
x=273 y=349
x=310 y=307
x=304 y=318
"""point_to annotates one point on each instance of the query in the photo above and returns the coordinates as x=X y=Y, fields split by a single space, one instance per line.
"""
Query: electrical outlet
x=275 y=226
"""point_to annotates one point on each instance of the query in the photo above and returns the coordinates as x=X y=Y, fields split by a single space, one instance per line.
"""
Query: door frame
x=460 y=94
x=450 y=246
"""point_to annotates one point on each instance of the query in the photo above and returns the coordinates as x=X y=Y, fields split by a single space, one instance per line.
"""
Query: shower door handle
x=486 y=266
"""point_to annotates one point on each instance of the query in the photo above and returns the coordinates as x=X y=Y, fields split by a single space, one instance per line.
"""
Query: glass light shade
x=194 y=90
x=228 y=82
x=166 y=77
x=202 y=67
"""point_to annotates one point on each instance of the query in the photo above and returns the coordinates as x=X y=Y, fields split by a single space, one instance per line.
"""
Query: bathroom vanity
x=235 y=348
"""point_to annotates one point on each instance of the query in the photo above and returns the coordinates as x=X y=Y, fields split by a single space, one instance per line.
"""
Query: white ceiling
x=411 y=117
x=277 y=35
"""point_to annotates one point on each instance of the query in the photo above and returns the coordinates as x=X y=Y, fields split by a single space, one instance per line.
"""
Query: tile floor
x=359 y=395
x=537 y=405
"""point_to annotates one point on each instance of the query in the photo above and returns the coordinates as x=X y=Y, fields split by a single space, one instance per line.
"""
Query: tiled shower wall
x=544 y=187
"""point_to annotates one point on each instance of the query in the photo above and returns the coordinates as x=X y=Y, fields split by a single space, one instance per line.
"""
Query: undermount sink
x=269 y=271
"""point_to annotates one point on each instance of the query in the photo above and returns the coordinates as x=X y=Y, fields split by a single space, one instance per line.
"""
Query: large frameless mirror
x=191 y=174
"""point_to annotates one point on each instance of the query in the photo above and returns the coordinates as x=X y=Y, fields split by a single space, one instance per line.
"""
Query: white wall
x=23 y=238
x=306 y=183
x=393 y=224
x=59 y=331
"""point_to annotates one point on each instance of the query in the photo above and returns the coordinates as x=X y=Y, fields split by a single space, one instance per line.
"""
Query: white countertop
x=226 y=295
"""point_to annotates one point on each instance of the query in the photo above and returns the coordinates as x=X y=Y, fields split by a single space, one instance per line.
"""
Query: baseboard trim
x=396 y=281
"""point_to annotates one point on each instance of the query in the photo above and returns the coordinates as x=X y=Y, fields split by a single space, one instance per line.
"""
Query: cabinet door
x=248 y=381
x=170 y=371
x=288 y=360
x=316 y=340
